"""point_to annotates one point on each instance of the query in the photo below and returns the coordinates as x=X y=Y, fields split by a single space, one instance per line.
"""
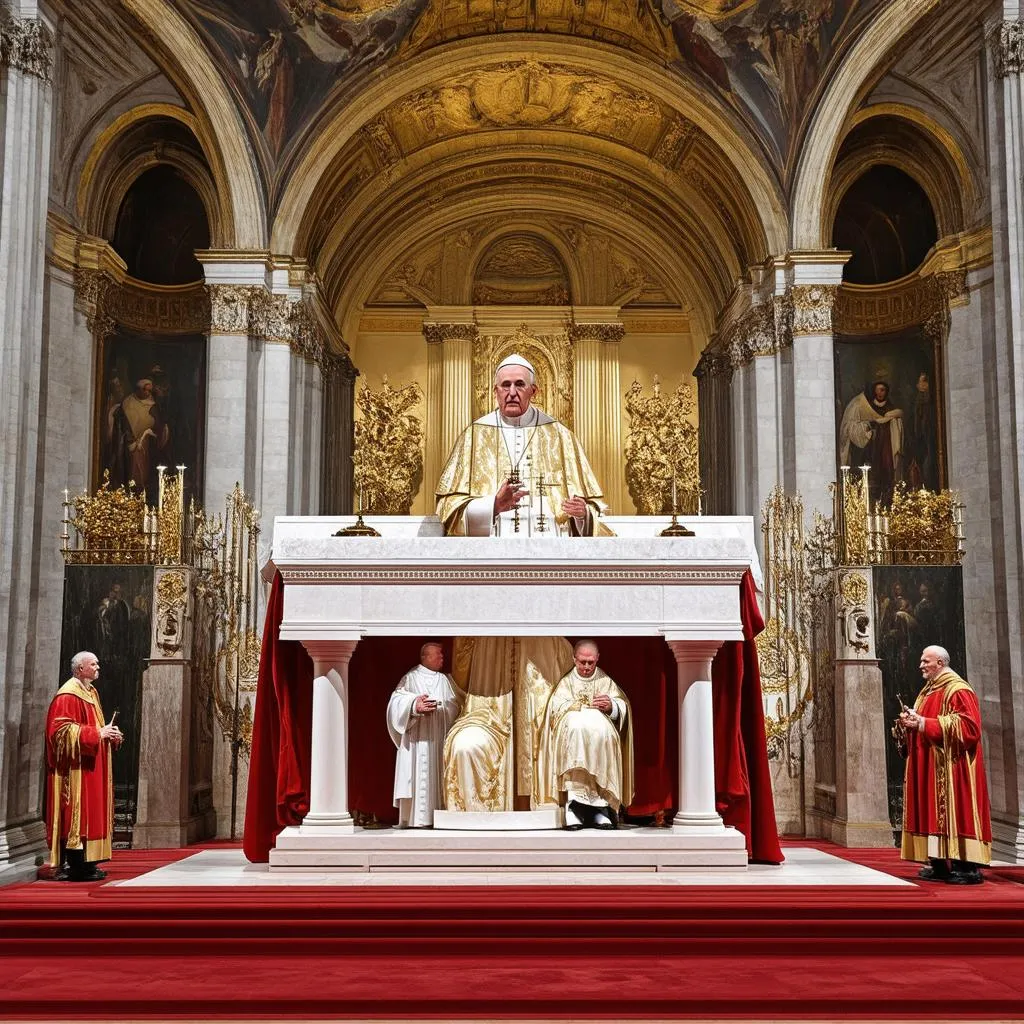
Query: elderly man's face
x=931 y=666
x=144 y=389
x=513 y=390
x=432 y=658
x=586 y=661
x=89 y=669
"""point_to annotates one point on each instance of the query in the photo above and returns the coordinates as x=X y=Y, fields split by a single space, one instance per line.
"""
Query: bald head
x=934 y=659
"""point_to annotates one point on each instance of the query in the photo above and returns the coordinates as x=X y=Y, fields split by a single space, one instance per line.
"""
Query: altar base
x=626 y=849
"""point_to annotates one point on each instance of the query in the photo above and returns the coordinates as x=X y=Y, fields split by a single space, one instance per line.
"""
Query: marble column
x=696 y=736
x=995 y=351
x=25 y=123
x=596 y=403
x=339 y=380
x=328 y=786
x=714 y=375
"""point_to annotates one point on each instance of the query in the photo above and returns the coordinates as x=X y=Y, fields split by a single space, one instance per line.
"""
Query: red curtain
x=278 y=792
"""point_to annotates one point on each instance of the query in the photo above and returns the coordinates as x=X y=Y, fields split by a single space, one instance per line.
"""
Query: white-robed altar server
x=420 y=713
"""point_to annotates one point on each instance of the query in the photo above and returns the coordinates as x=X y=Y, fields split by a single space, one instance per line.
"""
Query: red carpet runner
x=98 y=952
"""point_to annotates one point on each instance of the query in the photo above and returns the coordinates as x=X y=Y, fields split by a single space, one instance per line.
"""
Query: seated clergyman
x=515 y=464
x=586 y=743
x=420 y=712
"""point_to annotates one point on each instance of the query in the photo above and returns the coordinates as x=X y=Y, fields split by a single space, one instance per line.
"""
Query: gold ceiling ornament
x=388 y=449
x=662 y=451
x=636 y=24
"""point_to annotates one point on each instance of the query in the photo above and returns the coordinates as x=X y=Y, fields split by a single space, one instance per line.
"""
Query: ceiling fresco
x=765 y=58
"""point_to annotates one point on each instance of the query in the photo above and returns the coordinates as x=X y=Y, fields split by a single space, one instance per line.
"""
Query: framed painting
x=889 y=413
x=107 y=610
x=150 y=410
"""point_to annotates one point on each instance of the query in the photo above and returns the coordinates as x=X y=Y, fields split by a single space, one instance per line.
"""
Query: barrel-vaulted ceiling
x=765 y=59
x=667 y=129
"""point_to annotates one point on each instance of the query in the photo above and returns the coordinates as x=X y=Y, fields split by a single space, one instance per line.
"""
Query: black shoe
x=96 y=875
x=936 y=871
x=965 y=878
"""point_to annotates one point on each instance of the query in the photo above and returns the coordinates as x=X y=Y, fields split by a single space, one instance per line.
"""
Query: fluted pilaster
x=597 y=401
x=449 y=387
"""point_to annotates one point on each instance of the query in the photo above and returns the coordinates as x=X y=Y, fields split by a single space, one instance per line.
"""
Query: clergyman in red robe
x=946 y=818
x=80 y=784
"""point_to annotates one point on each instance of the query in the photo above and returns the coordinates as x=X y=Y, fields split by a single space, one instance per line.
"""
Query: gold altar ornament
x=662 y=452
x=388 y=455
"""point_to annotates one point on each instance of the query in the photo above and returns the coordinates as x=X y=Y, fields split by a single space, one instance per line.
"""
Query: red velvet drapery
x=278 y=792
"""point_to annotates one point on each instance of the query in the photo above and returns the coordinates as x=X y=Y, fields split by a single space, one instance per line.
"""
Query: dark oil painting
x=107 y=610
x=915 y=606
x=888 y=413
x=151 y=410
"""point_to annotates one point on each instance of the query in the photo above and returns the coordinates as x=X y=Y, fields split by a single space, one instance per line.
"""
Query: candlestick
x=675 y=505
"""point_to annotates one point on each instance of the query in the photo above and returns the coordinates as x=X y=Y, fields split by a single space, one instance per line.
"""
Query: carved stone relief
x=1008 y=45
x=812 y=308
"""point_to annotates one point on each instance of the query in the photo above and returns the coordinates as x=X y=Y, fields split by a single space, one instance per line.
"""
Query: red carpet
x=927 y=953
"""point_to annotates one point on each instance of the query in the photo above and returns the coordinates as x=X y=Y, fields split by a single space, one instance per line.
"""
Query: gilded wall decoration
x=662 y=450
x=884 y=309
x=229 y=307
x=388 y=450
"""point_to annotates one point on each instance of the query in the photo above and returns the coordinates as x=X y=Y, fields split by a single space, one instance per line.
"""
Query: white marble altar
x=413 y=581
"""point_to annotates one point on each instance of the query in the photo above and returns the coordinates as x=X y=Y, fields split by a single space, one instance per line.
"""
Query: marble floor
x=228 y=867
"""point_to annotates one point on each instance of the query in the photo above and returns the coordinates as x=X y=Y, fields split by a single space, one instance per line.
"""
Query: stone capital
x=93 y=290
x=812 y=306
x=606 y=332
x=438 y=333
x=1008 y=48
x=231 y=307
x=26 y=45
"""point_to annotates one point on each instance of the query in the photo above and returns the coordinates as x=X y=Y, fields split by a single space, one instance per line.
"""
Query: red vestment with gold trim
x=80 y=787
x=945 y=797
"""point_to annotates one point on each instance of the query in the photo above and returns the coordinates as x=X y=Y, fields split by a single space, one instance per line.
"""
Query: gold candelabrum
x=918 y=527
x=662 y=452
x=784 y=644
x=115 y=526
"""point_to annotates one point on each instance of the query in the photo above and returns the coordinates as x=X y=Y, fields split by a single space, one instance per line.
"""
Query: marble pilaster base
x=1008 y=839
x=589 y=850
x=22 y=851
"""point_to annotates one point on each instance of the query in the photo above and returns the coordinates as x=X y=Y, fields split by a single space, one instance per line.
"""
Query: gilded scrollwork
x=26 y=44
x=605 y=332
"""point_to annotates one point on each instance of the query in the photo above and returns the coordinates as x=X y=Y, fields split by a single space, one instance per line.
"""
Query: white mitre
x=516 y=360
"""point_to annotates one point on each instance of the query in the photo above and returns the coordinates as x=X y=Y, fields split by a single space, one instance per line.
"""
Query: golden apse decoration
x=662 y=454
x=388 y=450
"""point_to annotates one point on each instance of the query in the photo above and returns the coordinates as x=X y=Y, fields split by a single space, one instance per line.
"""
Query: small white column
x=328 y=782
x=696 y=735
